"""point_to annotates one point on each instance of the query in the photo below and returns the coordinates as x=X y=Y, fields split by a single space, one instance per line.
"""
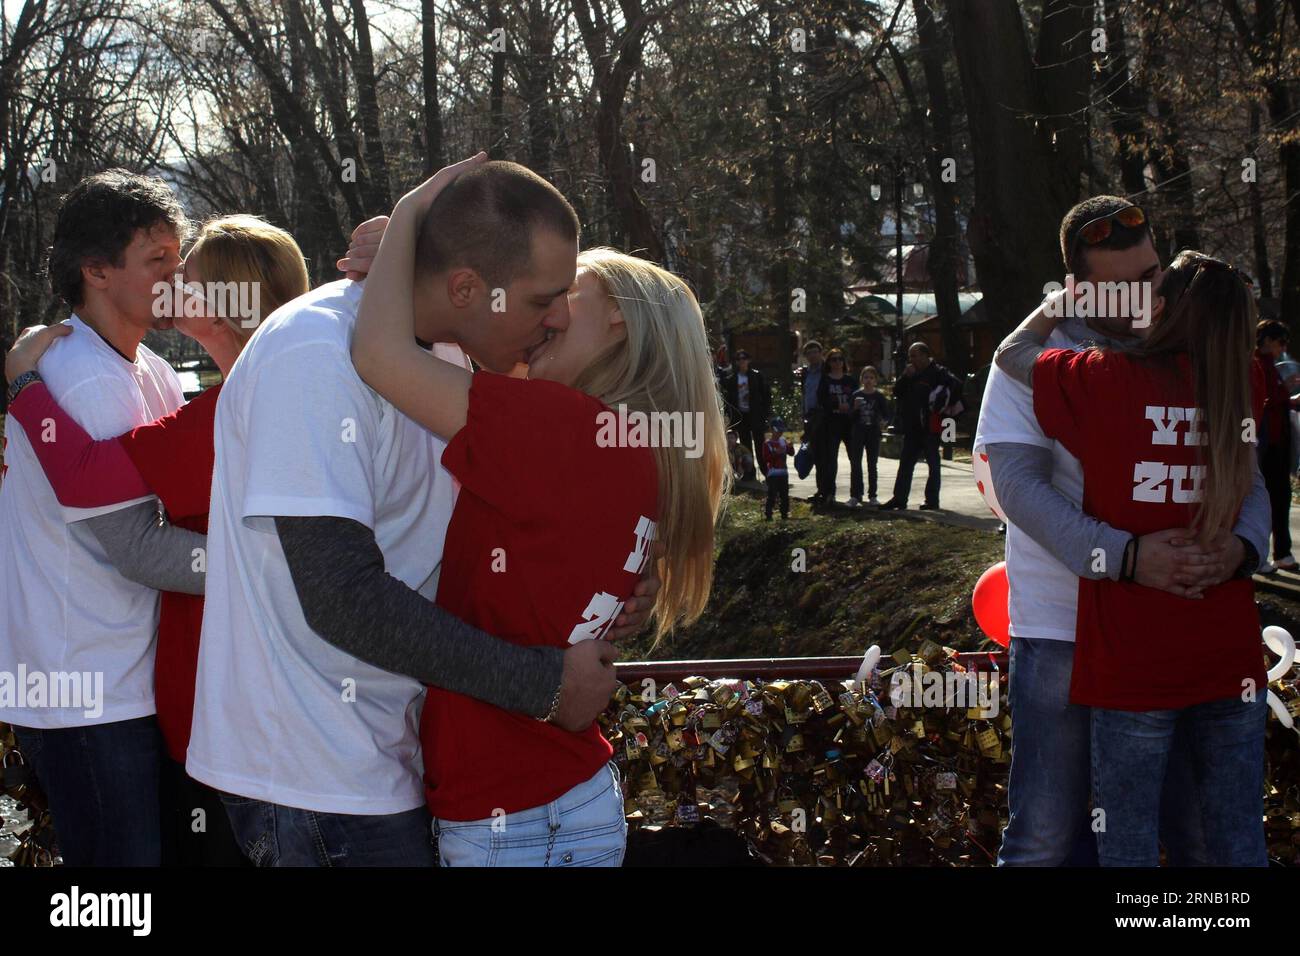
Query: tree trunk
x=377 y=188
x=945 y=248
x=497 y=134
x=434 y=156
x=1127 y=104
x=634 y=227
x=778 y=213
x=1024 y=181
x=536 y=87
x=1174 y=175
x=1263 y=273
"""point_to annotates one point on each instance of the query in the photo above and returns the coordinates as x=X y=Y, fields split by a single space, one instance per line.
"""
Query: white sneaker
x=1287 y=563
x=855 y=502
x=1267 y=567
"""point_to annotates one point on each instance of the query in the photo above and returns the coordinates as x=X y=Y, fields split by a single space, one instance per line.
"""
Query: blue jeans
x=583 y=827
x=1130 y=751
x=275 y=835
x=102 y=783
x=1051 y=761
x=917 y=445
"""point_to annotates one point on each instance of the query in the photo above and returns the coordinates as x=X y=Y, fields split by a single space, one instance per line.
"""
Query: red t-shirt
x=174 y=455
x=549 y=537
x=1275 y=419
x=1138 y=648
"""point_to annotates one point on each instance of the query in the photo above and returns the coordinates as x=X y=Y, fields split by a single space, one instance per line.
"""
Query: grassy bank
x=868 y=578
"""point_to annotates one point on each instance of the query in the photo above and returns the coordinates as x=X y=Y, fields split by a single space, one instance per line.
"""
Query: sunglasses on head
x=1099 y=230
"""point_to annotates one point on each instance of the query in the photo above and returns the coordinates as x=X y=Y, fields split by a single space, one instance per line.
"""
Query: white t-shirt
x=281 y=715
x=65 y=611
x=1044 y=599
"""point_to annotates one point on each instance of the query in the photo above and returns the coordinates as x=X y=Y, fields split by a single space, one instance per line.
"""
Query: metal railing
x=778 y=668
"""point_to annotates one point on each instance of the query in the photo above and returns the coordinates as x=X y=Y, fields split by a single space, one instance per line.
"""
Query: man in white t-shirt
x=329 y=510
x=76 y=636
x=1050 y=544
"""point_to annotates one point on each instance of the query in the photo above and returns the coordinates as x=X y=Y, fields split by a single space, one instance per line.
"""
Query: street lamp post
x=898 y=167
x=898 y=264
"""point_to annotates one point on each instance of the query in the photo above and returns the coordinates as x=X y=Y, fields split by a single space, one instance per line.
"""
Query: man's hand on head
x=1175 y=561
x=361 y=251
x=637 y=608
x=587 y=684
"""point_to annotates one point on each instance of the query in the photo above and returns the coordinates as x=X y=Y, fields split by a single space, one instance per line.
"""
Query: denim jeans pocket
x=31 y=741
x=583 y=827
x=253 y=823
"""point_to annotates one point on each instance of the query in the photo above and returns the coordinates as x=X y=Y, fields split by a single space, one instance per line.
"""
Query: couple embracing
x=404 y=521
x=1121 y=446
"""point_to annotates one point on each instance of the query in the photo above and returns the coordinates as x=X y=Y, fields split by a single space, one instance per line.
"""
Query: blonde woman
x=171 y=458
x=561 y=498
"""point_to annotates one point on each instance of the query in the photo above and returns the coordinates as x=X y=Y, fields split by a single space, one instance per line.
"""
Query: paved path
x=960 y=502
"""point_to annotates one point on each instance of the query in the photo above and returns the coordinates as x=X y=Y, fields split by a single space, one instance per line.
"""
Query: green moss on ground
x=869 y=578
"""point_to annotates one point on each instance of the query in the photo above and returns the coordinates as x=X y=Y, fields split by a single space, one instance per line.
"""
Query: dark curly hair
x=98 y=219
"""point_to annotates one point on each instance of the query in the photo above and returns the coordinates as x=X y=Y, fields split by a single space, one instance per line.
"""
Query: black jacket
x=916 y=395
x=760 y=397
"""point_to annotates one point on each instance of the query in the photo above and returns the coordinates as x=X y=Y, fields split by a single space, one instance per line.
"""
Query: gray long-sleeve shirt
x=353 y=603
x=148 y=550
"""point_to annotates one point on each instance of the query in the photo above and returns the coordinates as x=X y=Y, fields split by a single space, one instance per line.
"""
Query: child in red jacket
x=774 y=452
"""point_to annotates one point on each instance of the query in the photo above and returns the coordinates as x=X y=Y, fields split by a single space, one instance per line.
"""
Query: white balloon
x=984 y=482
x=869 y=662
x=1281 y=643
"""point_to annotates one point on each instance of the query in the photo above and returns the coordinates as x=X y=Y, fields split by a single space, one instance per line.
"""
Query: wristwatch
x=20 y=383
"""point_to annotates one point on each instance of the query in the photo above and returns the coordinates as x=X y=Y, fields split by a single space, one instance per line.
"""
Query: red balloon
x=989 y=601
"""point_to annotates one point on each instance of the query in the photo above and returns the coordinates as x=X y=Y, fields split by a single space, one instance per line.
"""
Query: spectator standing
x=774 y=453
x=870 y=412
x=1274 y=435
x=810 y=377
x=749 y=405
x=835 y=397
x=925 y=393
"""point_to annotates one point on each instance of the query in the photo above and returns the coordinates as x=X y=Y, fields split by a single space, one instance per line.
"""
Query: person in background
x=774 y=453
x=721 y=365
x=1274 y=434
x=924 y=394
x=172 y=458
x=80 y=592
x=870 y=411
x=741 y=459
x=749 y=405
x=810 y=377
x=835 y=398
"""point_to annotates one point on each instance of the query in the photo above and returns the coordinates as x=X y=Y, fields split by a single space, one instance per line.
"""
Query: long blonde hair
x=244 y=248
x=1209 y=314
x=664 y=365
